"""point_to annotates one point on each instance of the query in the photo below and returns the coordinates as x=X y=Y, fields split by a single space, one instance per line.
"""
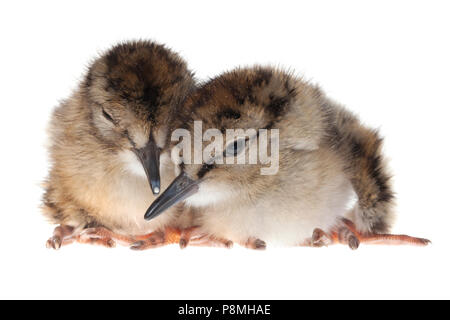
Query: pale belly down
x=280 y=222
x=123 y=207
x=130 y=220
x=130 y=196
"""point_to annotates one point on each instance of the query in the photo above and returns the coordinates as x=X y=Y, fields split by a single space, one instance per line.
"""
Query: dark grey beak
x=181 y=188
x=149 y=156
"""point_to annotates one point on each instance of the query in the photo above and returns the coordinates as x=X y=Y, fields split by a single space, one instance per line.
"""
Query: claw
x=153 y=240
x=138 y=245
x=320 y=238
x=255 y=243
x=54 y=243
x=259 y=245
x=183 y=243
x=110 y=243
x=62 y=235
x=353 y=242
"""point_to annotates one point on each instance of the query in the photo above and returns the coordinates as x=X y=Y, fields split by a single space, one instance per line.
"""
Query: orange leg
x=346 y=233
x=195 y=237
x=64 y=235
x=387 y=239
x=101 y=236
x=108 y=238
x=156 y=239
x=96 y=240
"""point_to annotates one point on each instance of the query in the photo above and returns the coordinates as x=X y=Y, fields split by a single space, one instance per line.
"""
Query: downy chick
x=325 y=156
x=108 y=144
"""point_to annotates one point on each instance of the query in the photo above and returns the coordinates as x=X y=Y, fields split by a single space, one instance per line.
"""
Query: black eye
x=234 y=148
x=107 y=116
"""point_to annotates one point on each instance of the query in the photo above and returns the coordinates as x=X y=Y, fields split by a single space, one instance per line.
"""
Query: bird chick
x=325 y=156
x=108 y=144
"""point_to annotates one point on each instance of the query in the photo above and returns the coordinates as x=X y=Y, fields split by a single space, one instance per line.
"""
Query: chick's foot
x=62 y=235
x=346 y=233
x=194 y=236
x=100 y=236
x=385 y=239
x=156 y=239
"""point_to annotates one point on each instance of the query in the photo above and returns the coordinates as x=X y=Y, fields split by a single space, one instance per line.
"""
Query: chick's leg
x=346 y=233
x=341 y=235
x=108 y=238
x=348 y=236
x=100 y=236
x=62 y=235
x=194 y=236
x=319 y=239
x=386 y=239
x=156 y=239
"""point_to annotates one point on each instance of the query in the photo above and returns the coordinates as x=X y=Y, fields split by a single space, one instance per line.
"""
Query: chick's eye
x=107 y=116
x=234 y=148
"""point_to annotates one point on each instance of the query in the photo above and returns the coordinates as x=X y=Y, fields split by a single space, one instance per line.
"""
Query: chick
x=108 y=144
x=325 y=156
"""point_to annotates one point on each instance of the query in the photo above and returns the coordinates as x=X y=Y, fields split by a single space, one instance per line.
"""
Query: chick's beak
x=149 y=156
x=181 y=188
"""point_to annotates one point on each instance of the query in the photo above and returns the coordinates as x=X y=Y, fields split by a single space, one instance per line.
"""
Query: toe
x=110 y=243
x=138 y=245
x=316 y=239
x=424 y=242
x=320 y=238
x=353 y=242
x=54 y=243
x=92 y=233
x=259 y=244
x=229 y=244
x=183 y=243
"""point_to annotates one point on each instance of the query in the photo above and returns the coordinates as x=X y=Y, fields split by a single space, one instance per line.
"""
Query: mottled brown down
x=130 y=92
x=325 y=152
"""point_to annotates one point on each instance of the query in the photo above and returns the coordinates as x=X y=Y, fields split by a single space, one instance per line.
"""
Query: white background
x=388 y=61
